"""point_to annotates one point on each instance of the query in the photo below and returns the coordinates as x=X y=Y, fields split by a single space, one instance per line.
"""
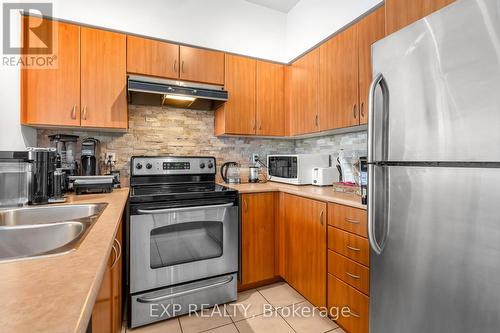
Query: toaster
x=324 y=176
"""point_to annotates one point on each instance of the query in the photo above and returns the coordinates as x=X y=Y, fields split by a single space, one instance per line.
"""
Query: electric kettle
x=230 y=173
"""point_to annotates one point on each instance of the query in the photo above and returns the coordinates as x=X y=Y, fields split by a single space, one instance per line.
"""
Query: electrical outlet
x=255 y=158
x=111 y=156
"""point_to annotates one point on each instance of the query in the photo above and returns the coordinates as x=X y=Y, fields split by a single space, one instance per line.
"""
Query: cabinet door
x=237 y=115
x=52 y=96
x=152 y=57
x=370 y=30
x=117 y=273
x=305 y=233
x=338 y=83
x=201 y=65
x=304 y=84
x=257 y=237
x=270 y=99
x=104 y=79
x=400 y=13
x=102 y=314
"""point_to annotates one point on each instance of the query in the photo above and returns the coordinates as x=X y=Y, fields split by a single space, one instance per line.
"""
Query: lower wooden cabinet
x=350 y=305
x=108 y=310
x=305 y=237
x=257 y=237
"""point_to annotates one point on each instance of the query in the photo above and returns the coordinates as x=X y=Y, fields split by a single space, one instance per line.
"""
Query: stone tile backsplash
x=162 y=131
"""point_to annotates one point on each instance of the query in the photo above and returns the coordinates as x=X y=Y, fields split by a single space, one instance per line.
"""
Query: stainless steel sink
x=45 y=230
x=48 y=214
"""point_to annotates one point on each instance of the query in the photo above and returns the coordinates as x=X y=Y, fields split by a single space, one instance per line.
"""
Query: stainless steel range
x=183 y=238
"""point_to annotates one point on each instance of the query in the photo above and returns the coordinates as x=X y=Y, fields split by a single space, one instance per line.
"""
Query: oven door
x=176 y=245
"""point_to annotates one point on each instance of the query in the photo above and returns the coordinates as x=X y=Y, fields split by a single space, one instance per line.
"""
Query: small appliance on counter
x=231 y=173
x=90 y=157
x=15 y=176
x=92 y=184
x=325 y=176
x=43 y=189
x=66 y=165
x=364 y=179
x=253 y=174
x=295 y=169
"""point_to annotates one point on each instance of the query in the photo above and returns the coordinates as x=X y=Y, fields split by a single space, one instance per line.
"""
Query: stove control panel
x=169 y=165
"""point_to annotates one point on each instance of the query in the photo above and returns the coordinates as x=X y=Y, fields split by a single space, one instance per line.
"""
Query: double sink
x=45 y=230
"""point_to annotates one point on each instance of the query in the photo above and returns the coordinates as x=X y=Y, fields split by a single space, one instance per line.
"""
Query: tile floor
x=265 y=309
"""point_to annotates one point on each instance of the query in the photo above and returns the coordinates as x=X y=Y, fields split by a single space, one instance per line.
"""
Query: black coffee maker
x=90 y=157
x=43 y=165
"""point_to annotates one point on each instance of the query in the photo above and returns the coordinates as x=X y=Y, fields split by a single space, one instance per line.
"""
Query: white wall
x=13 y=136
x=230 y=25
x=311 y=21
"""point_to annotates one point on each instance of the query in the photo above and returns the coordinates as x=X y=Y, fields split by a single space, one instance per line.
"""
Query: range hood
x=144 y=90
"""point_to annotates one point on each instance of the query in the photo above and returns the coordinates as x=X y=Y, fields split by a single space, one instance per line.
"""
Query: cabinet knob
x=182 y=66
x=73 y=112
x=321 y=218
x=316 y=120
x=175 y=66
x=363 y=109
x=355 y=111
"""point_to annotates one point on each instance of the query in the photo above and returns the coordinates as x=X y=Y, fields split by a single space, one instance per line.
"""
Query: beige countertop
x=324 y=193
x=57 y=294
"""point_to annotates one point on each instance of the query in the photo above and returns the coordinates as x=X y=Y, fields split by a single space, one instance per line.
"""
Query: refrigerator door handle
x=371 y=211
x=378 y=81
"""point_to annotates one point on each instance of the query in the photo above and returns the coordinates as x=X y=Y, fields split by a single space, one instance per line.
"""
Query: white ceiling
x=279 y=5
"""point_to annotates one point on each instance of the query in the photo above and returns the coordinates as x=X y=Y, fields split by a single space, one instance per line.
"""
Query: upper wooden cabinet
x=201 y=65
x=51 y=97
x=88 y=86
x=400 y=13
x=305 y=233
x=256 y=99
x=152 y=57
x=338 y=81
x=370 y=29
x=304 y=82
x=257 y=237
x=237 y=115
x=104 y=82
x=270 y=99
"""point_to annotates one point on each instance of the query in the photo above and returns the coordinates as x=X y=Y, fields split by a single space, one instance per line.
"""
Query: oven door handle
x=181 y=209
x=183 y=293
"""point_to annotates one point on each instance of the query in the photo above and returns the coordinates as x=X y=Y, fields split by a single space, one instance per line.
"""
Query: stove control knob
x=210 y=165
x=202 y=165
x=138 y=166
x=148 y=166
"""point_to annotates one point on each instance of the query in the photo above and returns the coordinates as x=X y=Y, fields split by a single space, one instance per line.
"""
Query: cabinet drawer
x=349 y=245
x=352 y=273
x=341 y=296
x=349 y=219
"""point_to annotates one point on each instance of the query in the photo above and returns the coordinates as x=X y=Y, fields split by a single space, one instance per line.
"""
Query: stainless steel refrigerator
x=434 y=174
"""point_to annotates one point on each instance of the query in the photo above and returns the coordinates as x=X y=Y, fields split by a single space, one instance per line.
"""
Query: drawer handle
x=183 y=293
x=353 y=248
x=352 y=221
x=357 y=277
x=354 y=314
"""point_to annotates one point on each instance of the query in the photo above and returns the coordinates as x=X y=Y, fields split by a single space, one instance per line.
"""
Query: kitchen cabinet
x=304 y=83
x=270 y=111
x=88 y=87
x=104 y=82
x=237 y=115
x=354 y=304
x=51 y=96
x=346 y=73
x=305 y=234
x=256 y=99
x=350 y=219
x=201 y=65
x=338 y=80
x=152 y=57
x=400 y=13
x=257 y=237
x=107 y=311
x=370 y=29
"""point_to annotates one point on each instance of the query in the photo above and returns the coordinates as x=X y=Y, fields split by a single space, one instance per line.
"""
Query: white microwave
x=295 y=169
